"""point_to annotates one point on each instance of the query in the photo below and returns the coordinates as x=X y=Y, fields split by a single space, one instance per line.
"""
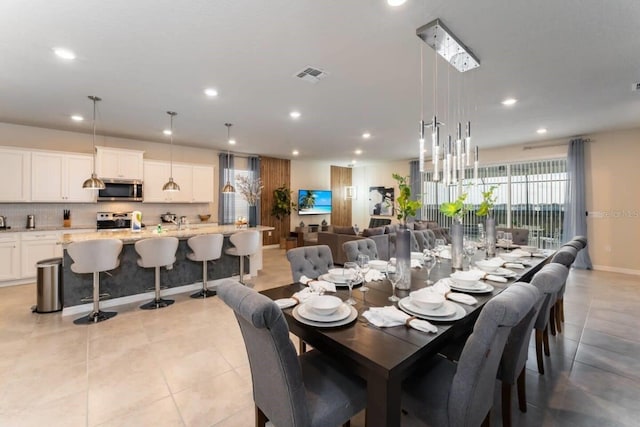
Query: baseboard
x=274 y=246
x=616 y=270
x=17 y=282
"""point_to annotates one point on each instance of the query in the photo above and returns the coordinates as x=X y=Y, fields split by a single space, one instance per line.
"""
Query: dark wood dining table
x=384 y=357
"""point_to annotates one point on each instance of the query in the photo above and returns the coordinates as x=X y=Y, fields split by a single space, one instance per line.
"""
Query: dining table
x=385 y=357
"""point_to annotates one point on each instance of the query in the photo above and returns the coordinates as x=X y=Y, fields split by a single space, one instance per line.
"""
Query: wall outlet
x=269 y=234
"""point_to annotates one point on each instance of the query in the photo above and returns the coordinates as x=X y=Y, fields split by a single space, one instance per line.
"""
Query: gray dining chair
x=353 y=248
x=426 y=239
x=450 y=394
x=548 y=280
x=514 y=358
x=566 y=255
x=310 y=261
x=289 y=390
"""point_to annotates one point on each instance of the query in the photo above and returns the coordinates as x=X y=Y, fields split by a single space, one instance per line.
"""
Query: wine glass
x=508 y=239
x=439 y=247
x=428 y=261
x=350 y=274
x=363 y=263
x=469 y=250
x=394 y=275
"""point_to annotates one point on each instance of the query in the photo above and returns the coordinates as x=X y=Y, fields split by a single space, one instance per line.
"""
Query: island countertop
x=128 y=236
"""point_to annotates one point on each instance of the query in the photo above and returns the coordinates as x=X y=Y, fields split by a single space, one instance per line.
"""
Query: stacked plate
x=378 y=264
x=343 y=315
x=447 y=312
x=339 y=276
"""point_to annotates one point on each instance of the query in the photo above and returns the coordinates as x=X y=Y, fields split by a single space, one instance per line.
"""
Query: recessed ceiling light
x=366 y=135
x=232 y=141
x=358 y=152
x=64 y=53
x=541 y=131
x=167 y=132
x=211 y=92
x=396 y=2
x=295 y=152
x=77 y=118
x=354 y=161
x=294 y=114
x=509 y=101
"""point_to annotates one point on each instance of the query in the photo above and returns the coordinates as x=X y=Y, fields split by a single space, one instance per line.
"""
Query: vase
x=490 y=227
x=403 y=257
x=457 y=236
x=253 y=216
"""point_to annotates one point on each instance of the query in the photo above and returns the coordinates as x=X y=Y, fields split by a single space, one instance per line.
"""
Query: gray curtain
x=415 y=181
x=254 y=167
x=575 y=218
x=226 y=201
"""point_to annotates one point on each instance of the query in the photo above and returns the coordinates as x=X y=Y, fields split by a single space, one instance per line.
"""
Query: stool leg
x=157 y=302
x=204 y=292
x=96 y=315
x=242 y=269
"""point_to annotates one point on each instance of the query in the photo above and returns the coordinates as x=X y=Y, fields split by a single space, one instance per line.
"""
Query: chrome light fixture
x=447 y=45
x=171 y=185
x=228 y=188
x=94 y=183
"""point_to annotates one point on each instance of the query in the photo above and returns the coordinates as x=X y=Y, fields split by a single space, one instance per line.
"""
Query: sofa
x=338 y=235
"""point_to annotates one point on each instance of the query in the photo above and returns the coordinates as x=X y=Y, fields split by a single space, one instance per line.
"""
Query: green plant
x=488 y=201
x=308 y=200
x=455 y=209
x=405 y=207
x=282 y=202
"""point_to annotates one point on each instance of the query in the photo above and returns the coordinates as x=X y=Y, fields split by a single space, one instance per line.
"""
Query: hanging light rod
x=171 y=185
x=228 y=188
x=94 y=183
x=447 y=45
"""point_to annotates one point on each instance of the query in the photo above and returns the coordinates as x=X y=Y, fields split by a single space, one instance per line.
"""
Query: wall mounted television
x=314 y=202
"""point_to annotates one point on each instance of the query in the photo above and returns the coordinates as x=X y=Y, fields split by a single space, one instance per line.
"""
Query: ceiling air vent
x=311 y=74
x=636 y=87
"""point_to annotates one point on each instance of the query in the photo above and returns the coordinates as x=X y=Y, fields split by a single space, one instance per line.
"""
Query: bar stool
x=245 y=243
x=94 y=256
x=206 y=247
x=157 y=252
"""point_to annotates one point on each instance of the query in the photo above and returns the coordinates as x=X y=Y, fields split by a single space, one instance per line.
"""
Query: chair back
x=156 y=251
x=378 y=222
x=205 y=247
x=520 y=235
x=95 y=255
x=310 y=261
x=549 y=280
x=426 y=239
x=514 y=356
x=565 y=256
x=581 y=239
x=353 y=248
x=246 y=242
x=471 y=394
x=574 y=244
x=278 y=389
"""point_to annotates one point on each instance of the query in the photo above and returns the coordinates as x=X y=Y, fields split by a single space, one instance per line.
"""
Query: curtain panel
x=254 y=168
x=226 y=201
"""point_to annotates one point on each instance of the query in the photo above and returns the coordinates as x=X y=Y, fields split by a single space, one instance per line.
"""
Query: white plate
x=353 y=315
x=446 y=309
x=378 y=264
x=482 y=288
x=459 y=314
x=329 y=278
x=341 y=313
x=286 y=302
x=504 y=272
x=417 y=255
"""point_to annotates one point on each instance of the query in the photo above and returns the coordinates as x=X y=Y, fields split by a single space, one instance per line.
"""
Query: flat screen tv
x=314 y=202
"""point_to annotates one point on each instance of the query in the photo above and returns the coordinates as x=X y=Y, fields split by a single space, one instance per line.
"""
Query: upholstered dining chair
x=289 y=390
x=450 y=394
x=548 y=280
x=310 y=261
x=353 y=248
x=514 y=358
x=566 y=255
x=426 y=239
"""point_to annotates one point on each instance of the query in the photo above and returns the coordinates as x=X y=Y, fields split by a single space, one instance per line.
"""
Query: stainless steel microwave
x=125 y=190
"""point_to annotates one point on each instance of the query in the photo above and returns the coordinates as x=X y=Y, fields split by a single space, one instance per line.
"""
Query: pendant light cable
x=94 y=183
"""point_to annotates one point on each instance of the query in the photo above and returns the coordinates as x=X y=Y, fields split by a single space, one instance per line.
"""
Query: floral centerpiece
x=405 y=207
x=488 y=201
x=486 y=209
x=456 y=210
x=250 y=190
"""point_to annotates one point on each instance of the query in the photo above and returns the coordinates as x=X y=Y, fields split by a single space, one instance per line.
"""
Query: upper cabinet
x=58 y=177
x=15 y=168
x=202 y=184
x=195 y=181
x=115 y=163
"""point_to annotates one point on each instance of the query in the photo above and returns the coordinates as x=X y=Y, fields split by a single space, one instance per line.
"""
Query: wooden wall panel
x=274 y=173
x=341 y=208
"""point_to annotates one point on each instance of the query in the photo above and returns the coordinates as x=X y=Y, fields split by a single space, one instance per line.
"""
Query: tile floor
x=186 y=365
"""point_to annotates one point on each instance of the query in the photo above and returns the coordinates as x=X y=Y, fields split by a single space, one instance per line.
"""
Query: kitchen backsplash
x=84 y=214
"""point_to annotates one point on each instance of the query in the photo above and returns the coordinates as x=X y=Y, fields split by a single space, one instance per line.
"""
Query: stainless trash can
x=49 y=285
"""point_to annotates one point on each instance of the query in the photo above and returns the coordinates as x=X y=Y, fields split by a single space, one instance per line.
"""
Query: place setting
x=325 y=311
x=470 y=281
x=432 y=304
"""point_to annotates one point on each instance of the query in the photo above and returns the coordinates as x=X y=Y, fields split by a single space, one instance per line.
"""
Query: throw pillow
x=344 y=230
x=377 y=231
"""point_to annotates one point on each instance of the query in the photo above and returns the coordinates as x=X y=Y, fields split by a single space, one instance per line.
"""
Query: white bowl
x=339 y=274
x=509 y=257
x=488 y=265
x=466 y=278
x=378 y=264
x=530 y=249
x=324 y=305
x=428 y=300
x=417 y=255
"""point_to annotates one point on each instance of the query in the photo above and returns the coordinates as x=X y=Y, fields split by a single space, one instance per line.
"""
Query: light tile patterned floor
x=186 y=365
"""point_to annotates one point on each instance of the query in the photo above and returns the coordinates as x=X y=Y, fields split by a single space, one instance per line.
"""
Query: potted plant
x=486 y=209
x=282 y=206
x=405 y=209
x=456 y=211
x=250 y=190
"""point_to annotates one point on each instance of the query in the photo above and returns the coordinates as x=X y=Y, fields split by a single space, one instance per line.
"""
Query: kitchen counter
x=42 y=229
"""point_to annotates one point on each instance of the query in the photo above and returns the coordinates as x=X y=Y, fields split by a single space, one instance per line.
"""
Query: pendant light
x=94 y=183
x=228 y=188
x=171 y=185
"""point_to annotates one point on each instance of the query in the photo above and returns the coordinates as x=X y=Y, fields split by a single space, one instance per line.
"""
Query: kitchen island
x=129 y=282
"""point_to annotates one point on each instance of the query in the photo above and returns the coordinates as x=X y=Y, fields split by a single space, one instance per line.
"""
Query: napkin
x=445 y=254
x=318 y=285
x=443 y=288
x=415 y=263
x=373 y=276
x=304 y=295
x=491 y=277
x=513 y=265
x=520 y=252
x=385 y=317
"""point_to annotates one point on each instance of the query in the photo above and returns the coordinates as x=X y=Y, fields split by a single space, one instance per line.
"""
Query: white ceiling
x=571 y=64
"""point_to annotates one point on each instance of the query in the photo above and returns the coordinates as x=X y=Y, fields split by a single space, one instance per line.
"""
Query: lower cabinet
x=9 y=256
x=36 y=246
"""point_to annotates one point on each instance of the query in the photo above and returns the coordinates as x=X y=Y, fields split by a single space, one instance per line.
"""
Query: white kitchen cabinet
x=115 y=163
x=36 y=246
x=9 y=256
x=58 y=177
x=183 y=175
x=202 y=184
x=155 y=175
x=15 y=168
x=195 y=181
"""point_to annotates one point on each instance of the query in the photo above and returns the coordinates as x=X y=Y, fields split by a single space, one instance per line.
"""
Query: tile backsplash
x=84 y=214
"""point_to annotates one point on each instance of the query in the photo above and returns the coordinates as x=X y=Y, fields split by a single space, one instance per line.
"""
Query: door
x=36 y=247
x=9 y=257
x=46 y=177
x=15 y=167
x=77 y=169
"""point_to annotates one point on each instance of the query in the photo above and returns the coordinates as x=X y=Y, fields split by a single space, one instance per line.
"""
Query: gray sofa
x=335 y=238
